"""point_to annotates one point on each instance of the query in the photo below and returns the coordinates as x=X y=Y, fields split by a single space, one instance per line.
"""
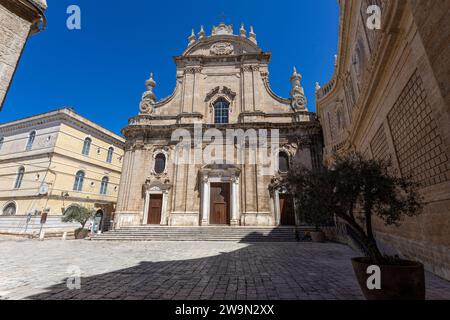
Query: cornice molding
x=61 y=116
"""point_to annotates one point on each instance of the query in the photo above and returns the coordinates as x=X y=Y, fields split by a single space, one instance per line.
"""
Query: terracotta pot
x=81 y=233
x=405 y=281
x=317 y=236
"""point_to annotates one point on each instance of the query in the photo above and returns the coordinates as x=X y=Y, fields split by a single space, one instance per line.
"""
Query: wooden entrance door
x=220 y=203
x=287 y=213
x=155 y=209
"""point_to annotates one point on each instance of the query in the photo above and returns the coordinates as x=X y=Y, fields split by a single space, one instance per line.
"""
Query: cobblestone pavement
x=182 y=270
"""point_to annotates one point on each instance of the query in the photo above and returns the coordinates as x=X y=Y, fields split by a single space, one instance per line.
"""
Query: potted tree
x=355 y=190
x=81 y=215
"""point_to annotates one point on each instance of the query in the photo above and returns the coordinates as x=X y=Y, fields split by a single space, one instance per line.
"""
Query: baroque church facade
x=221 y=86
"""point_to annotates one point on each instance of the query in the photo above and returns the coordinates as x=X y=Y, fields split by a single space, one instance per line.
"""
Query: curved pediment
x=222 y=45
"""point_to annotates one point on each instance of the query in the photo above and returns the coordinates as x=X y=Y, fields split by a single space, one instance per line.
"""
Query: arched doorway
x=98 y=222
x=287 y=210
x=10 y=209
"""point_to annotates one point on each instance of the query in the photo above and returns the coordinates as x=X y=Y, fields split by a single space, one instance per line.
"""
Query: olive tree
x=78 y=214
x=355 y=190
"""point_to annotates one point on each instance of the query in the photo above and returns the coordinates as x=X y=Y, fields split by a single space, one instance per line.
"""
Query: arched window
x=87 y=146
x=19 y=178
x=160 y=163
x=1 y=142
x=104 y=185
x=30 y=141
x=79 y=179
x=283 y=162
x=10 y=209
x=110 y=155
x=221 y=111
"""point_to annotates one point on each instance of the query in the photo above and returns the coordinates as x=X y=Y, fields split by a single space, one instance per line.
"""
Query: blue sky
x=100 y=70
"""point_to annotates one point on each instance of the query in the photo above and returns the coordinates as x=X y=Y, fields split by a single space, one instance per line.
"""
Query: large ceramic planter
x=317 y=236
x=405 y=281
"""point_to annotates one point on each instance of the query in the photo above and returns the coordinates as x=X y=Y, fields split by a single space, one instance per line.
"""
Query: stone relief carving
x=212 y=93
x=225 y=91
x=222 y=49
x=222 y=29
x=229 y=93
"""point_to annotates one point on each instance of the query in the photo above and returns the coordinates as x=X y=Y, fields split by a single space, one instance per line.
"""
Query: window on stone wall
x=87 y=146
x=110 y=155
x=19 y=178
x=1 y=143
x=160 y=163
x=79 y=179
x=221 y=111
x=30 y=141
x=10 y=209
x=104 y=185
x=283 y=162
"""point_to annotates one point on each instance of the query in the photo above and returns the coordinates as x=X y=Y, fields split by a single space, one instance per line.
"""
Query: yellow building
x=51 y=161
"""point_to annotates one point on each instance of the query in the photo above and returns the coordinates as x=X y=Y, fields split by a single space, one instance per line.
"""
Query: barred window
x=221 y=111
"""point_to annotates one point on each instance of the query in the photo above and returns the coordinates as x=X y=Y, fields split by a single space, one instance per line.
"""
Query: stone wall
x=17 y=22
x=399 y=110
x=22 y=225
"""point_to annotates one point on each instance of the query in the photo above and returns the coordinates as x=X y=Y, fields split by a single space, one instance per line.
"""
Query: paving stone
x=183 y=270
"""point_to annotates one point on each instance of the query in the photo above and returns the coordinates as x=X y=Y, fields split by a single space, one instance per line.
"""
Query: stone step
x=234 y=234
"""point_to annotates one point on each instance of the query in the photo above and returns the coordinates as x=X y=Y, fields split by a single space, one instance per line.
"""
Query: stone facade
x=40 y=157
x=389 y=99
x=18 y=20
x=221 y=84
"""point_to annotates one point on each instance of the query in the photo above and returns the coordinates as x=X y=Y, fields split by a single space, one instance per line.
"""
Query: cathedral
x=174 y=168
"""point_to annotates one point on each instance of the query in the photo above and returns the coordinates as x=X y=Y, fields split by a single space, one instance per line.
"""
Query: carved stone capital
x=193 y=70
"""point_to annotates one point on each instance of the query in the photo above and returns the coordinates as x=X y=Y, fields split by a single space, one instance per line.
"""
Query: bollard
x=64 y=236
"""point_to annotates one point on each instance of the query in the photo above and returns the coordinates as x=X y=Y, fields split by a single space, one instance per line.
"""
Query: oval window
x=160 y=163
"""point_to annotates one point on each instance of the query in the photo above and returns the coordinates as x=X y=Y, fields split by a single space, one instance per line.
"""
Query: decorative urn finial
x=201 y=34
x=148 y=98
x=252 y=35
x=242 y=31
x=192 y=37
x=297 y=93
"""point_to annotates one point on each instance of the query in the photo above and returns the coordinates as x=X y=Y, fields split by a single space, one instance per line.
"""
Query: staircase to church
x=232 y=234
